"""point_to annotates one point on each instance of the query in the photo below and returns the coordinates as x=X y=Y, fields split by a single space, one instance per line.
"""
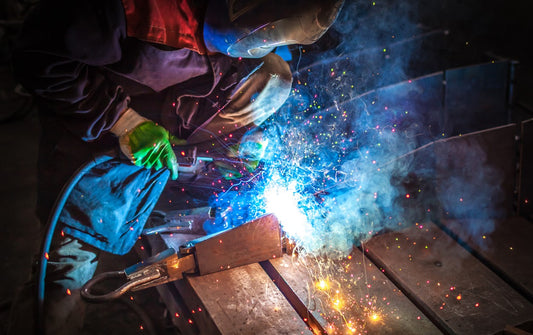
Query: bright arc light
x=283 y=202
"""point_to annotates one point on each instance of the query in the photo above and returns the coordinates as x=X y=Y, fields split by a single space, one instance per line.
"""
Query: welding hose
x=50 y=229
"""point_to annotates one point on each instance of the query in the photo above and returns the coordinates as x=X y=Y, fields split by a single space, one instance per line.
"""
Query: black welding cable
x=50 y=229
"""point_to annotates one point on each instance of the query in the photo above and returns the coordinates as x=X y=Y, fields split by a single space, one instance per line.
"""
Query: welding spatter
x=252 y=242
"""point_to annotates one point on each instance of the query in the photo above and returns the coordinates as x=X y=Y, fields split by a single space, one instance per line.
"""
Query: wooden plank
x=455 y=289
x=352 y=295
x=506 y=249
x=244 y=300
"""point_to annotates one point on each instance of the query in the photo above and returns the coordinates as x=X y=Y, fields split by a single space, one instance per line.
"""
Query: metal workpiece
x=252 y=242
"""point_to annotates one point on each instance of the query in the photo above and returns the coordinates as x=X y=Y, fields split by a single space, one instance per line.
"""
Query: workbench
x=462 y=268
x=429 y=277
x=417 y=280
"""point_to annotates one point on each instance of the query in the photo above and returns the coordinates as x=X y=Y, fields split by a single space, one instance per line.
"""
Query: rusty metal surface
x=456 y=290
x=371 y=302
x=506 y=249
x=251 y=242
x=244 y=300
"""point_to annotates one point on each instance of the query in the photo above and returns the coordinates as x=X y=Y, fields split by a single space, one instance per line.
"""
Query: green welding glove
x=146 y=143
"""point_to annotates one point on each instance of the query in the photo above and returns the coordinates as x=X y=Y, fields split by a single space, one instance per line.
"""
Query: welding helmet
x=253 y=28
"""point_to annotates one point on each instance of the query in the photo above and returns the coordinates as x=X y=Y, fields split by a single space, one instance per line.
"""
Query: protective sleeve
x=60 y=58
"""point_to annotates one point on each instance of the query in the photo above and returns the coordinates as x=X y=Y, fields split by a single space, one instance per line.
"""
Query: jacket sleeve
x=61 y=57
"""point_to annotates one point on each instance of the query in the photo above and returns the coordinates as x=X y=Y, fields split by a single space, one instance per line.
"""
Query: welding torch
x=230 y=167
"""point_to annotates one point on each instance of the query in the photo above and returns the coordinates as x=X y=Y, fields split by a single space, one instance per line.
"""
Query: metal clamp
x=159 y=269
x=147 y=276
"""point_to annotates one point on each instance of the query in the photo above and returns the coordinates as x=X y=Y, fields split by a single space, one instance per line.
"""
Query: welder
x=141 y=75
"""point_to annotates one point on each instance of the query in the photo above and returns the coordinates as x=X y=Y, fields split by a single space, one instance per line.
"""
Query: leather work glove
x=250 y=151
x=260 y=94
x=146 y=143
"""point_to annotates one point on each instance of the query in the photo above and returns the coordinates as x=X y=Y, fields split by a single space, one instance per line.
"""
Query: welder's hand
x=146 y=143
x=249 y=152
x=150 y=147
x=251 y=149
x=261 y=93
x=228 y=170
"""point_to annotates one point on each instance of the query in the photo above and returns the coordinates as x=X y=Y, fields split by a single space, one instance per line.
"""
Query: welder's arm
x=79 y=95
x=145 y=143
x=60 y=57
x=88 y=104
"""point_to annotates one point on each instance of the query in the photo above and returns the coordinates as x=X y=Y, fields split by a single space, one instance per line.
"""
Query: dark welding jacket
x=87 y=60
